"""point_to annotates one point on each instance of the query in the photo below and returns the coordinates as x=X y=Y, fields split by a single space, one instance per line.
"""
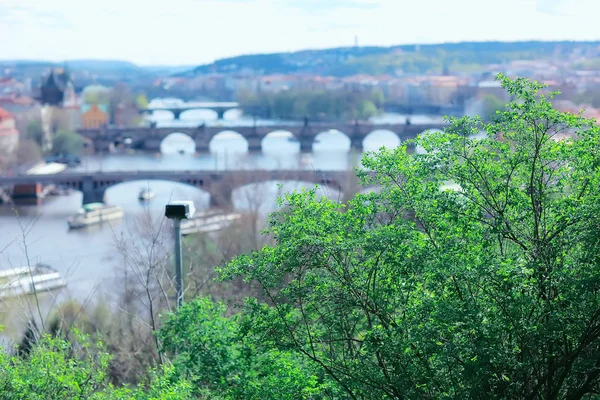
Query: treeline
x=338 y=105
x=409 y=58
x=472 y=273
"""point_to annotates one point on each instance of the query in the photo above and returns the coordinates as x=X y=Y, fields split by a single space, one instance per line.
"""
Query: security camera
x=180 y=210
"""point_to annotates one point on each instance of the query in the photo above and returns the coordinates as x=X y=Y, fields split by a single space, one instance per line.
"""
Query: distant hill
x=412 y=58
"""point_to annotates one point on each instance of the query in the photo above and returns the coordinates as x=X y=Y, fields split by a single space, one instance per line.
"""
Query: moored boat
x=25 y=280
x=94 y=213
x=146 y=194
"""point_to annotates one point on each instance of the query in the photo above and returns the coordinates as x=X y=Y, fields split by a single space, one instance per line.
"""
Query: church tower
x=57 y=96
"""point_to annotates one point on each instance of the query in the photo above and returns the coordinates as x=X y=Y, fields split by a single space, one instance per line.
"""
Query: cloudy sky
x=153 y=32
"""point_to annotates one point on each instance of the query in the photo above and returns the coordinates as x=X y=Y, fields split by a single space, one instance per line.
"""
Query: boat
x=205 y=223
x=146 y=194
x=25 y=280
x=94 y=213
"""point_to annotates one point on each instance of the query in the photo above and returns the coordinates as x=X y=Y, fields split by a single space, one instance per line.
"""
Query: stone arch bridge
x=150 y=138
x=219 y=184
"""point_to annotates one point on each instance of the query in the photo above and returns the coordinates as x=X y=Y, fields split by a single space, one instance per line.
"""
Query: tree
x=66 y=142
x=51 y=371
x=487 y=291
x=141 y=101
x=57 y=369
x=35 y=131
x=28 y=152
x=209 y=350
x=366 y=109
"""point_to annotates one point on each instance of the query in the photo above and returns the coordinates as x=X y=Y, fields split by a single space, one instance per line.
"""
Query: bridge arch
x=260 y=196
x=228 y=142
x=126 y=193
x=177 y=142
x=160 y=116
x=280 y=142
x=332 y=140
x=199 y=114
x=381 y=138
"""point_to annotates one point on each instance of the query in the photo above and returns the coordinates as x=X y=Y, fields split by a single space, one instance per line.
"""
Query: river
x=87 y=258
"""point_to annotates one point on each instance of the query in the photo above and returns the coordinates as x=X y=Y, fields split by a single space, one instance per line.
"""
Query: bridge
x=219 y=184
x=219 y=107
x=150 y=138
x=222 y=107
x=426 y=109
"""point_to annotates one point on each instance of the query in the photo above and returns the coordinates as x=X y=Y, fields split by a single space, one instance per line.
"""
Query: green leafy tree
x=366 y=109
x=66 y=142
x=57 y=369
x=141 y=101
x=35 y=131
x=211 y=351
x=489 y=290
x=52 y=371
x=28 y=152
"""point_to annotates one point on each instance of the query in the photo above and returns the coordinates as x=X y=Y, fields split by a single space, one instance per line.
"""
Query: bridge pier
x=221 y=114
x=254 y=144
x=306 y=146
x=356 y=143
x=91 y=192
x=221 y=195
x=103 y=146
x=176 y=114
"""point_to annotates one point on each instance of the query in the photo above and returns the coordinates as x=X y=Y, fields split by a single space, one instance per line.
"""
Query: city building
x=9 y=135
x=94 y=116
x=57 y=88
x=55 y=92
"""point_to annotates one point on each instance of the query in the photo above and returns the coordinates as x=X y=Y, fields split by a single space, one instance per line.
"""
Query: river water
x=87 y=258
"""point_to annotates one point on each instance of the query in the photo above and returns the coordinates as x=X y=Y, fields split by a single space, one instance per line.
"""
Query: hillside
x=346 y=61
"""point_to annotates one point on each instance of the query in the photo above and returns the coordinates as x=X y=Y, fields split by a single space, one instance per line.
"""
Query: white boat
x=146 y=194
x=46 y=169
x=203 y=223
x=94 y=213
x=24 y=280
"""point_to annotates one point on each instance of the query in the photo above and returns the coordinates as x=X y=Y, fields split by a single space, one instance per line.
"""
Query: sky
x=191 y=32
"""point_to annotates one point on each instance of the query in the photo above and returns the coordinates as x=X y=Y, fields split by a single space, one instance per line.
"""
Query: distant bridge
x=219 y=107
x=150 y=138
x=425 y=109
x=222 y=107
x=219 y=184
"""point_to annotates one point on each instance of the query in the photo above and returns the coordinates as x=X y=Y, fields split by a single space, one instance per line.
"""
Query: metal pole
x=178 y=263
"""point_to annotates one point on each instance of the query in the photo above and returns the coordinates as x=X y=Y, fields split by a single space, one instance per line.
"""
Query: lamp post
x=176 y=211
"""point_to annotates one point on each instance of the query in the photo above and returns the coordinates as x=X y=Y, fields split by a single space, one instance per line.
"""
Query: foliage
x=162 y=385
x=332 y=105
x=141 y=101
x=60 y=369
x=96 y=95
x=53 y=371
x=66 y=142
x=489 y=291
x=210 y=351
x=410 y=58
x=35 y=132
x=28 y=152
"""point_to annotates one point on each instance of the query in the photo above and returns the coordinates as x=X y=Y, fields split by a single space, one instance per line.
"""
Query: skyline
x=193 y=33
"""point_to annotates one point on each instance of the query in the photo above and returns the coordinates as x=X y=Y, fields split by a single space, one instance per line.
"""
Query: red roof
x=4 y=115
